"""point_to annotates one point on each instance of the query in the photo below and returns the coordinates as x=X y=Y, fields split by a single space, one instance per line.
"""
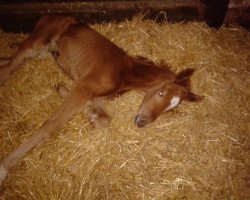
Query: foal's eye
x=161 y=94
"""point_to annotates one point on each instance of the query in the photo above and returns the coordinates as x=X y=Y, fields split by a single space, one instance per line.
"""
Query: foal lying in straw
x=100 y=70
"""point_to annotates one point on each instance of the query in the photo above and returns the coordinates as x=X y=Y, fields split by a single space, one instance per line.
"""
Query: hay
x=197 y=151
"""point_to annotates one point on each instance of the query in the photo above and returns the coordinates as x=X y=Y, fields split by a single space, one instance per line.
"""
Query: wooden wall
x=21 y=15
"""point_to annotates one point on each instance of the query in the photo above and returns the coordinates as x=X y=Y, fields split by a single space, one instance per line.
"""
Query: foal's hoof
x=99 y=118
x=97 y=114
x=62 y=90
x=101 y=122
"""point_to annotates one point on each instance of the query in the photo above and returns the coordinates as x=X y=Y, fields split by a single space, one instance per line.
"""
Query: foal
x=100 y=70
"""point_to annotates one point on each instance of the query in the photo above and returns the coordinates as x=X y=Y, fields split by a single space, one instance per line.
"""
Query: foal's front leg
x=94 y=109
x=73 y=104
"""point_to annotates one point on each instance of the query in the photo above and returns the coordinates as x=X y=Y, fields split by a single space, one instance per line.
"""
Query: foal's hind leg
x=31 y=47
x=94 y=109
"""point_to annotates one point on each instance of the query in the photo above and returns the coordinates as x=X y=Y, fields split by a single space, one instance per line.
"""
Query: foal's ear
x=183 y=78
x=193 y=97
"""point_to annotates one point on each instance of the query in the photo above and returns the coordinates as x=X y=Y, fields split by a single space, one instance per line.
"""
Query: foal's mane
x=145 y=61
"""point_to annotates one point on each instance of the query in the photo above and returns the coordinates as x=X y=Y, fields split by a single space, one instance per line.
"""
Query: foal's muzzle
x=141 y=121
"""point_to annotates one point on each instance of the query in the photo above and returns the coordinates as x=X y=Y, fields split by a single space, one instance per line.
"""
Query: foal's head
x=165 y=97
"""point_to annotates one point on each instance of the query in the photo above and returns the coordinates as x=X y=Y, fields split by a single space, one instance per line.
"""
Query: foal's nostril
x=140 y=121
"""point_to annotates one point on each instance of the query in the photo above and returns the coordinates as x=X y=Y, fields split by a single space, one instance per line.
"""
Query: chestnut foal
x=100 y=70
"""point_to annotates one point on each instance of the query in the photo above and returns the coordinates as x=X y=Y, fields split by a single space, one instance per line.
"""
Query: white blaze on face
x=173 y=103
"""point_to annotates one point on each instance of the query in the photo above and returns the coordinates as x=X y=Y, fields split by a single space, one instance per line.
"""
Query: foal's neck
x=145 y=75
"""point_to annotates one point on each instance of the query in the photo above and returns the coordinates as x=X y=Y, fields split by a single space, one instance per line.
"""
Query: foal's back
x=82 y=50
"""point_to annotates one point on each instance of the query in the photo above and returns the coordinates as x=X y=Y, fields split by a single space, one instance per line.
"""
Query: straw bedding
x=197 y=151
